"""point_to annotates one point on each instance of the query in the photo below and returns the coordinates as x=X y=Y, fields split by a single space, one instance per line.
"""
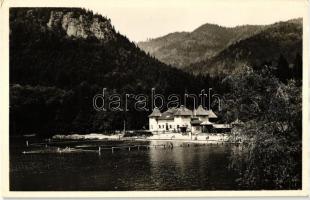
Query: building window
x=170 y=126
x=178 y=126
x=159 y=126
x=163 y=126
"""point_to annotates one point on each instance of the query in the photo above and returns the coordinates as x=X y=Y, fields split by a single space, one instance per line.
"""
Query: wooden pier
x=51 y=147
x=130 y=147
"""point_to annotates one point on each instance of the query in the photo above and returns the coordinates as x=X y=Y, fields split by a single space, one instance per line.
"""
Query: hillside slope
x=64 y=47
x=61 y=57
x=280 y=39
x=181 y=49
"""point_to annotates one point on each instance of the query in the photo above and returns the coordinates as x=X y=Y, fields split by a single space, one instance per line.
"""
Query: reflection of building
x=184 y=120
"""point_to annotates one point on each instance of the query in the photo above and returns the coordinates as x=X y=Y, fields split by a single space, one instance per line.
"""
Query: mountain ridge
x=281 y=38
x=203 y=43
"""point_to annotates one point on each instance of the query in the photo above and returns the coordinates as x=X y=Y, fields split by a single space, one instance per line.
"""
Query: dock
x=51 y=146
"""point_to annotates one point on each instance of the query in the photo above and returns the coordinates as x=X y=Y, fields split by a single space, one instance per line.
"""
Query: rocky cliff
x=75 y=23
x=81 y=26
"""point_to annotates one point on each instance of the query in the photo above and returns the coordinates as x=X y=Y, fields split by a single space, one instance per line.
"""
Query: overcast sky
x=142 y=19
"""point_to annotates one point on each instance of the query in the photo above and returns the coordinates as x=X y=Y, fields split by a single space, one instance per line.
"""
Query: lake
x=184 y=167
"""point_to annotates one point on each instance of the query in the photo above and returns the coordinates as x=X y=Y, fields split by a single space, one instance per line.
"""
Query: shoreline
x=166 y=137
x=190 y=141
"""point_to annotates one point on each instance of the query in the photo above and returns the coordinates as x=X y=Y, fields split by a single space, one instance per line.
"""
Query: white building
x=181 y=120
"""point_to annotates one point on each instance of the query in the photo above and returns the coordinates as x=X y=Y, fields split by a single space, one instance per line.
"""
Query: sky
x=140 y=20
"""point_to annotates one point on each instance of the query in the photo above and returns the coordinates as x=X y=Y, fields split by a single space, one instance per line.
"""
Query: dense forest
x=271 y=154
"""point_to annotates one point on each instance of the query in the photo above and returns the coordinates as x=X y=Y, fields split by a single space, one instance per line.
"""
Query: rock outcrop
x=81 y=26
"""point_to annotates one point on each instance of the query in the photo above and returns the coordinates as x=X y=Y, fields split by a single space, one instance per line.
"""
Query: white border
x=4 y=114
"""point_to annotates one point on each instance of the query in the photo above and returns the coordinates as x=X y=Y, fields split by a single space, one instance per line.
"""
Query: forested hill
x=61 y=57
x=279 y=44
x=181 y=49
x=216 y=50
x=64 y=47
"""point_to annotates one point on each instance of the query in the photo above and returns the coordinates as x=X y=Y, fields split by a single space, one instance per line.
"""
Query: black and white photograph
x=137 y=96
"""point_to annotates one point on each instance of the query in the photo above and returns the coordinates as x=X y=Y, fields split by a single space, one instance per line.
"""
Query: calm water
x=203 y=167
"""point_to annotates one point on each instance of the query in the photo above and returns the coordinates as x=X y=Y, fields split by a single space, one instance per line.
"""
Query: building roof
x=155 y=113
x=172 y=110
x=168 y=115
x=183 y=111
x=200 y=111
x=211 y=114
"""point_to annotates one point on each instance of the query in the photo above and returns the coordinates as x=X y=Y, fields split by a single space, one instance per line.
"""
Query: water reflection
x=202 y=167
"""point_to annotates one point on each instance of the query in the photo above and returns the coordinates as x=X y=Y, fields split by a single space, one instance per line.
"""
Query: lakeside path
x=200 y=139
